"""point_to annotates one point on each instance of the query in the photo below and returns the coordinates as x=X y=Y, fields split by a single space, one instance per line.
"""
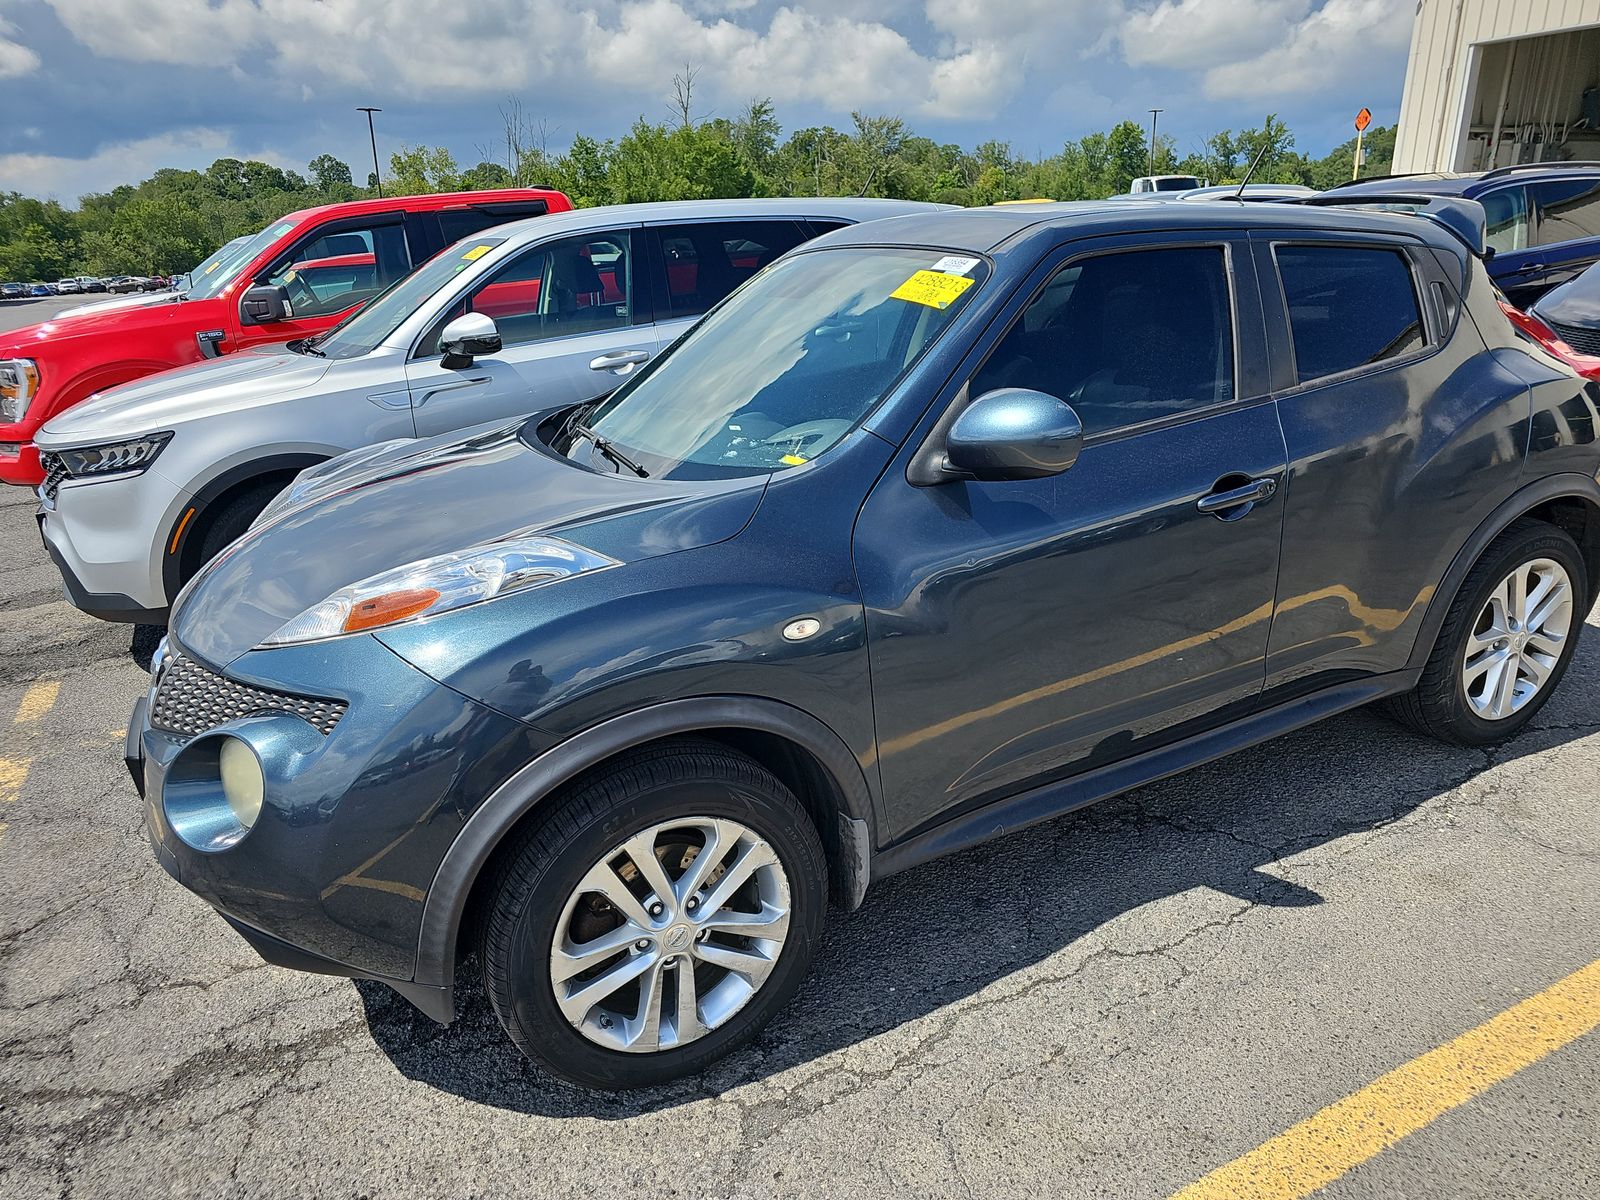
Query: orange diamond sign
x=1363 y=119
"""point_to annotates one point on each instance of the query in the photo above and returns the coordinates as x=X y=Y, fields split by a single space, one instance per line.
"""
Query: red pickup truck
x=297 y=277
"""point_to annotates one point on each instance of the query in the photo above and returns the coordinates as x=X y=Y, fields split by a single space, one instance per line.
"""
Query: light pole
x=1154 y=113
x=376 y=174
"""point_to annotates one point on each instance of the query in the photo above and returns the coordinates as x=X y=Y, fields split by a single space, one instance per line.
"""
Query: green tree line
x=175 y=218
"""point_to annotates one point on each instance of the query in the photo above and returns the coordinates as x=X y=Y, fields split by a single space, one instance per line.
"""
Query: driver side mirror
x=265 y=303
x=1013 y=433
x=467 y=337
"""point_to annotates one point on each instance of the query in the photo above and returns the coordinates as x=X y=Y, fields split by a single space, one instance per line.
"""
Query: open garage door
x=1533 y=99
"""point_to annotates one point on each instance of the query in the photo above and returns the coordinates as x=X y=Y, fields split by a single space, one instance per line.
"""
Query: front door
x=574 y=324
x=1026 y=631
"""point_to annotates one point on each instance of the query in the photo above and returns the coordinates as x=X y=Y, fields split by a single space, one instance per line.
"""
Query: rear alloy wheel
x=1506 y=640
x=654 y=916
x=1518 y=638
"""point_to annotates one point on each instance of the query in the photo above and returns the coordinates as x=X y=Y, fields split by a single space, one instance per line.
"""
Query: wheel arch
x=1569 y=501
x=802 y=751
x=185 y=535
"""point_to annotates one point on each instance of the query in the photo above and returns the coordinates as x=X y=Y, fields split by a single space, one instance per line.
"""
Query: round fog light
x=242 y=781
x=213 y=792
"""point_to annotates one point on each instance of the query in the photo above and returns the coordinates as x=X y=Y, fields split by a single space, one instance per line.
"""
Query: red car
x=297 y=277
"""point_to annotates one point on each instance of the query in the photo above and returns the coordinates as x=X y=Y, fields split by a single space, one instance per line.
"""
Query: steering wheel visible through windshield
x=788 y=366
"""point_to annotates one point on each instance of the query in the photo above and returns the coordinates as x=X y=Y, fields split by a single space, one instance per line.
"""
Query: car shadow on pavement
x=1217 y=837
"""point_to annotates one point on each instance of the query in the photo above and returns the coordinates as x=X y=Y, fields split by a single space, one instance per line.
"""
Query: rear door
x=574 y=323
x=1566 y=229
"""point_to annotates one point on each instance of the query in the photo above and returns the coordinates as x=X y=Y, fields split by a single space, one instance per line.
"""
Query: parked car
x=538 y=314
x=1253 y=192
x=13 y=291
x=67 y=287
x=1573 y=311
x=1165 y=183
x=252 y=296
x=88 y=283
x=910 y=543
x=123 y=283
x=1544 y=219
x=1540 y=331
x=37 y=289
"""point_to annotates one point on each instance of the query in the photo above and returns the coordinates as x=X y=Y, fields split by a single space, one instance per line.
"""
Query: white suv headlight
x=19 y=384
x=113 y=458
x=441 y=584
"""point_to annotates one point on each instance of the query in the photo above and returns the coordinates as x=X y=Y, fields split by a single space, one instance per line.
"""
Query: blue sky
x=101 y=92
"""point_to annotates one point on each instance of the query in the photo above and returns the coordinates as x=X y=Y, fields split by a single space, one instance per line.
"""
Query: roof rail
x=1465 y=219
x=1344 y=183
x=1538 y=166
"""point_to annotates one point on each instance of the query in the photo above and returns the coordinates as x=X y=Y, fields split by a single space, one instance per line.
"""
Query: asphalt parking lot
x=1117 y=1004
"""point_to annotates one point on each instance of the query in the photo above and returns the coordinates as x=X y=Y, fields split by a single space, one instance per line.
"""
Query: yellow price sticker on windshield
x=476 y=252
x=792 y=460
x=933 y=288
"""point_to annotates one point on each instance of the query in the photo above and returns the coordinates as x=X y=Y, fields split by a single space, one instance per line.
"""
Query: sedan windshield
x=794 y=361
x=364 y=330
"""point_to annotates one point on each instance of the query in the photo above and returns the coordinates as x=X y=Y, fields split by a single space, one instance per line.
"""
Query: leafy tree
x=329 y=173
x=417 y=170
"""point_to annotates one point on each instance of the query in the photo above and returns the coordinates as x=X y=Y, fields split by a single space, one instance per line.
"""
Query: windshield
x=364 y=330
x=786 y=368
x=217 y=272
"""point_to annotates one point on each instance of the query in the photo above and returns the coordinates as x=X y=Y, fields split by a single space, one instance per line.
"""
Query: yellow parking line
x=1348 y=1132
x=39 y=699
x=13 y=772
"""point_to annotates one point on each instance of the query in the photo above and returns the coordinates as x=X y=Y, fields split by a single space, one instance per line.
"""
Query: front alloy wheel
x=1517 y=639
x=670 y=934
x=654 y=916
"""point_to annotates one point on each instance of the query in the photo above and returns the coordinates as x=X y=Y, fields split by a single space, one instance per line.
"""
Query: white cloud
x=15 y=58
x=1200 y=34
x=65 y=179
x=1343 y=42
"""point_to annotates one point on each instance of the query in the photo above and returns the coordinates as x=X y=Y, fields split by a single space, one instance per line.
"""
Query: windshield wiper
x=304 y=346
x=609 y=450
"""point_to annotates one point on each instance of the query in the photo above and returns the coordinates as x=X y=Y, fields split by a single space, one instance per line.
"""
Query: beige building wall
x=1463 y=74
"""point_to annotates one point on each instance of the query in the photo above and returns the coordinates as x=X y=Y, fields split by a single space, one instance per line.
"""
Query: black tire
x=229 y=522
x=1438 y=706
x=537 y=875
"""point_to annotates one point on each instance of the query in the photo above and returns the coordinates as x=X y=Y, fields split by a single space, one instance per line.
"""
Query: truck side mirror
x=265 y=303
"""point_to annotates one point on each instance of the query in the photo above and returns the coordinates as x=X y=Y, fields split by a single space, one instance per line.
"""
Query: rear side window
x=1124 y=338
x=1506 y=211
x=457 y=223
x=706 y=262
x=1568 y=210
x=1349 y=307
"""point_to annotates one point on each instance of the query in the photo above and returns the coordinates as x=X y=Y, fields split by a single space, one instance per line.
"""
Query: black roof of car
x=986 y=230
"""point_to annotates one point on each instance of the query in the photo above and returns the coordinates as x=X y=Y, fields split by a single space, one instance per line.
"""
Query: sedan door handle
x=1530 y=268
x=619 y=360
x=1218 y=503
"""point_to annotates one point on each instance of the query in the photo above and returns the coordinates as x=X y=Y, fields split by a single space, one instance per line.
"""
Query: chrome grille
x=1584 y=341
x=190 y=699
x=54 y=472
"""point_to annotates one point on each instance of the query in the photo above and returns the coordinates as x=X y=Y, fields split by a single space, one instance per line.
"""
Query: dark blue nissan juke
x=938 y=527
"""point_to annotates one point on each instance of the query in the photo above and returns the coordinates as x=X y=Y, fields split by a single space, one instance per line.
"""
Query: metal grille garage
x=190 y=700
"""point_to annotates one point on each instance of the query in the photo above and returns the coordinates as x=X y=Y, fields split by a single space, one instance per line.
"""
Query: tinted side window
x=1125 y=338
x=1507 y=213
x=457 y=223
x=1568 y=210
x=706 y=262
x=338 y=270
x=581 y=284
x=1348 y=307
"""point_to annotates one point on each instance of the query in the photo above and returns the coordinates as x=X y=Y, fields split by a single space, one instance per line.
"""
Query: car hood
x=119 y=301
x=1574 y=303
x=97 y=319
x=384 y=507
x=159 y=401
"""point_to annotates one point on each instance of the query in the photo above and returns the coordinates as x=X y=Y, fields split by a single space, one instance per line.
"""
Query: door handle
x=1530 y=268
x=1256 y=490
x=619 y=360
x=454 y=386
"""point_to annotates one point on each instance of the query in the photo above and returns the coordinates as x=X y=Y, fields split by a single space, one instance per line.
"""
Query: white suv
x=148 y=481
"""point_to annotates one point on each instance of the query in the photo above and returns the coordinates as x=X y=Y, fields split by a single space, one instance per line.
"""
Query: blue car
x=938 y=527
x=41 y=289
x=1543 y=219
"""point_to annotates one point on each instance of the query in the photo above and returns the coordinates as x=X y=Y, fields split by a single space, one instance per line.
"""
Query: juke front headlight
x=441 y=584
x=113 y=458
x=19 y=384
